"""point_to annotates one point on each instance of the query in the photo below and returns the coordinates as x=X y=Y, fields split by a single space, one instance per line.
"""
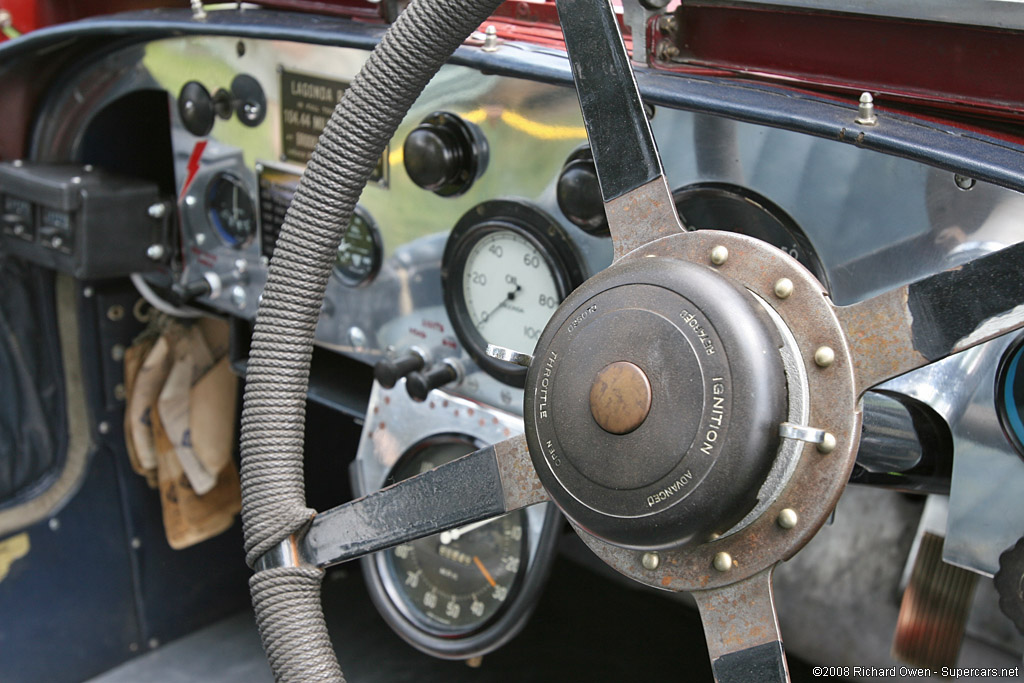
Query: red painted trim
x=193 y=166
x=961 y=68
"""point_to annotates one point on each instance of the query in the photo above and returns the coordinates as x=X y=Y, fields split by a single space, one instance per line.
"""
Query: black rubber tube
x=287 y=600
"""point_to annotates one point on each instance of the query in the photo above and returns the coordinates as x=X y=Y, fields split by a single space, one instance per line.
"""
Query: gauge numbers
x=509 y=289
x=507 y=266
x=231 y=210
x=456 y=581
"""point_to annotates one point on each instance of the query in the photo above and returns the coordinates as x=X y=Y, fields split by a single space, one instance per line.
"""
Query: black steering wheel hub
x=653 y=403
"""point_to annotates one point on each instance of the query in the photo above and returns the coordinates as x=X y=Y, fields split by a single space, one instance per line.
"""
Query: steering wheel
x=693 y=410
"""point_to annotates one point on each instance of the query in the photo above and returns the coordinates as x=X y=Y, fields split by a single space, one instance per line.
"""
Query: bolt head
x=650 y=561
x=76 y=180
x=157 y=210
x=104 y=427
x=155 y=252
x=783 y=288
x=963 y=182
x=190 y=200
x=787 y=518
x=824 y=356
x=54 y=524
x=719 y=255
x=828 y=444
x=238 y=296
x=723 y=562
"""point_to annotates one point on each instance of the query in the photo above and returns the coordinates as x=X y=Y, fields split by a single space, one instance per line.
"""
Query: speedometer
x=506 y=268
x=457 y=581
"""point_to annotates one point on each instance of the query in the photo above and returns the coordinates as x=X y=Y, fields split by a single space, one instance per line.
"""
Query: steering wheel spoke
x=930 y=319
x=742 y=631
x=637 y=198
x=484 y=484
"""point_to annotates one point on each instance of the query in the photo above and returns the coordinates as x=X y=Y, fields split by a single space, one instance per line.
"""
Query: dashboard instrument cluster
x=482 y=215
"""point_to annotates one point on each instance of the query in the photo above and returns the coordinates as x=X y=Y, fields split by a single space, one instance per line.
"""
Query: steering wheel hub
x=653 y=403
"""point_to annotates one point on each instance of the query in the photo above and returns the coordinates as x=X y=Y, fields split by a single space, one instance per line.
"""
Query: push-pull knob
x=389 y=370
x=421 y=383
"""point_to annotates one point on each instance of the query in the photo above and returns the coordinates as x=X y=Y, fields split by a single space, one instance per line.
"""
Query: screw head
x=54 y=524
x=190 y=200
x=719 y=255
x=828 y=443
x=201 y=239
x=824 y=356
x=76 y=180
x=238 y=296
x=787 y=518
x=783 y=287
x=103 y=427
x=723 y=562
x=157 y=210
x=963 y=182
x=650 y=561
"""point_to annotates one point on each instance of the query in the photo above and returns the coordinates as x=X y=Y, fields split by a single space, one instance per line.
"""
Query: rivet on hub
x=787 y=518
x=650 y=561
x=723 y=562
x=824 y=356
x=783 y=287
x=828 y=443
x=719 y=255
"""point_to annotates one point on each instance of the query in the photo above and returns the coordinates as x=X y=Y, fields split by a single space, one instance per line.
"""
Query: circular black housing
x=445 y=154
x=1010 y=394
x=469 y=633
x=529 y=223
x=250 y=101
x=579 y=193
x=361 y=250
x=695 y=465
x=231 y=210
x=722 y=206
x=196 y=108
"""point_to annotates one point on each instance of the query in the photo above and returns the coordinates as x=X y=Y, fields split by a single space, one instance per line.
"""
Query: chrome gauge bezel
x=542 y=231
x=1007 y=365
x=396 y=426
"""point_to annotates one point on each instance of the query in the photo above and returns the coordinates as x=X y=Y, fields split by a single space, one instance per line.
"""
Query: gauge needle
x=453 y=534
x=510 y=297
x=483 y=570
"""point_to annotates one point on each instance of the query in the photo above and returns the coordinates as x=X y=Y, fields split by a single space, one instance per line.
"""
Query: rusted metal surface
x=518 y=478
x=879 y=332
x=643 y=215
x=739 y=616
x=927 y=320
x=818 y=480
x=620 y=398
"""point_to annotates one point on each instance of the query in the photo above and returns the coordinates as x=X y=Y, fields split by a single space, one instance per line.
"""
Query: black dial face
x=456 y=582
x=231 y=210
x=506 y=268
x=720 y=206
x=360 y=251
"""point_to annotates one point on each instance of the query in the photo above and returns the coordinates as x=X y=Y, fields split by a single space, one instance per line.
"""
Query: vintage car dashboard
x=482 y=216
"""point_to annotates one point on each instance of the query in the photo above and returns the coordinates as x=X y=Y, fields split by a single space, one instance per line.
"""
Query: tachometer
x=506 y=268
x=722 y=206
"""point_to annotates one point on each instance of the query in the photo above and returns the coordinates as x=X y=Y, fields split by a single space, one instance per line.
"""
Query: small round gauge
x=506 y=268
x=454 y=583
x=231 y=210
x=360 y=252
x=1010 y=395
x=722 y=206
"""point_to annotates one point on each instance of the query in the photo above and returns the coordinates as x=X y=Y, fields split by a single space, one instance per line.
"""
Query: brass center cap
x=620 y=397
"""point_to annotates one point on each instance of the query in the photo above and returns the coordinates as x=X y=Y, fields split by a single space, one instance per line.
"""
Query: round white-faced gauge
x=506 y=268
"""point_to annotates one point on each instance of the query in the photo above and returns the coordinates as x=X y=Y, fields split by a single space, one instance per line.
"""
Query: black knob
x=195 y=106
x=445 y=154
x=388 y=371
x=579 y=193
x=191 y=290
x=419 y=384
